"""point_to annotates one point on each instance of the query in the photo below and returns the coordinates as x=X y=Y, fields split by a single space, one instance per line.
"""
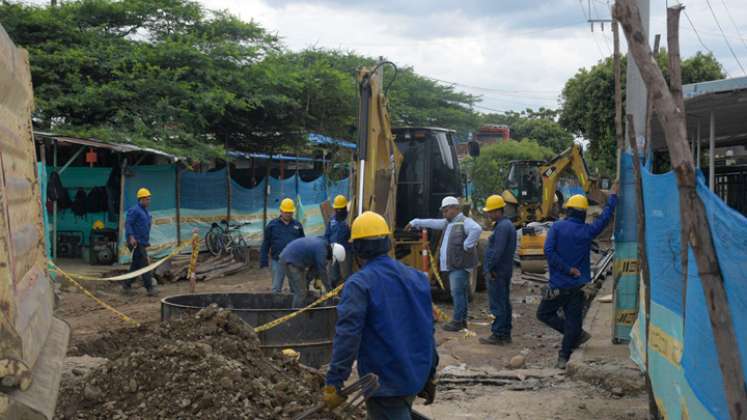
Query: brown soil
x=207 y=367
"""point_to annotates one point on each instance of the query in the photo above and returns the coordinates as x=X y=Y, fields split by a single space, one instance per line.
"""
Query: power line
x=728 y=44
x=728 y=13
x=696 y=32
x=488 y=89
x=583 y=12
x=606 y=38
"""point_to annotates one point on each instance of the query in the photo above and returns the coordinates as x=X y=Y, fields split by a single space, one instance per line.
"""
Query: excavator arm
x=570 y=158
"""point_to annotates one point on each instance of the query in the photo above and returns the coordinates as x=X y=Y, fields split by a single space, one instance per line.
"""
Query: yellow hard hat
x=98 y=225
x=369 y=225
x=287 y=206
x=577 y=201
x=494 y=202
x=340 y=202
x=143 y=193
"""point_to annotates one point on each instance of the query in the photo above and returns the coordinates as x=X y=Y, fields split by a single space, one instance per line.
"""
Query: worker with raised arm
x=385 y=322
x=306 y=258
x=279 y=233
x=338 y=231
x=498 y=266
x=137 y=231
x=457 y=256
x=568 y=249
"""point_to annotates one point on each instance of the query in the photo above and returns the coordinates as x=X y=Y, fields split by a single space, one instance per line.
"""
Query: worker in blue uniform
x=568 y=250
x=137 y=231
x=279 y=233
x=338 y=231
x=304 y=259
x=385 y=322
x=498 y=266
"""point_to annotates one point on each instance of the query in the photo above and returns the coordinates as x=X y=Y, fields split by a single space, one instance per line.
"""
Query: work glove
x=428 y=393
x=331 y=398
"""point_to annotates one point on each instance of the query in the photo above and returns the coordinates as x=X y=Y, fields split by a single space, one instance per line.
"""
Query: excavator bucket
x=33 y=342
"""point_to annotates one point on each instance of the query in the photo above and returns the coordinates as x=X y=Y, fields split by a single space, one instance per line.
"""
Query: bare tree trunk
x=672 y=118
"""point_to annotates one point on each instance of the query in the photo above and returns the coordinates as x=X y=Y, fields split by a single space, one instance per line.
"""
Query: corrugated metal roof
x=118 y=147
x=321 y=139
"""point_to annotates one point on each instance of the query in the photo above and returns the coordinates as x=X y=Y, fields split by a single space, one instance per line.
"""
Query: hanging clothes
x=57 y=192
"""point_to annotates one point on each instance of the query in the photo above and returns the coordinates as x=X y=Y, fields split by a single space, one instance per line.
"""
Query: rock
x=184 y=403
x=618 y=392
x=132 y=386
x=92 y=393
x=582 y=406
x=79 y=371
x=517 y=362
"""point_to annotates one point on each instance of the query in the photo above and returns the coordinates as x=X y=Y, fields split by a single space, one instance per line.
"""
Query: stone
x=92 y=393
x=618 y=392
x=517 y=362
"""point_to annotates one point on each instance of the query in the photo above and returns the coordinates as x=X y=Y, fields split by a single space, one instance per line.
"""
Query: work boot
x=153 y=291
x=584 y=337
x=496 y=340
x=562 y=363
x=455 y=325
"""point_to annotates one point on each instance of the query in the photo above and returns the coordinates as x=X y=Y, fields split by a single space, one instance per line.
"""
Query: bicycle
x=227 y=240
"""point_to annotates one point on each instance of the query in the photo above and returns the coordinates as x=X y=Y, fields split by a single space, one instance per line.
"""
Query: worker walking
x=279 y=233
x=498 y=267
x=338 y=231
x=305 y=258
x=457 y=256
x=137 y=231
x=385 y=322
x=568 y=248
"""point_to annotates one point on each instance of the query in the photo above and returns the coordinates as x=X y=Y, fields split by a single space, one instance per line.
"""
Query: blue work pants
x=459 y=285
x=278 y=275
x=499 y=297
x=389 y=408
x=571 y=323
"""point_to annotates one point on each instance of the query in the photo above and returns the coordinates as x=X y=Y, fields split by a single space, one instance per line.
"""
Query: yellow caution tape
x=97 y=300
x=127 y=276
x=435 y=270
x=195 y=252
x=272 y=324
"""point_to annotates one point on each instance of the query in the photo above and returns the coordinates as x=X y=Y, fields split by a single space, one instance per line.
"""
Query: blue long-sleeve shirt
x=278 y=234
x=499 y=255
x=338 y=231
x=385 y=321
x=568 y=245
x=306 y=252
x=137 y=224
x=471 y=229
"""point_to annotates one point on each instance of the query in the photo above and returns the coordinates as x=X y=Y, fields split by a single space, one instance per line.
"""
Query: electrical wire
x=583 y=12
x=728 y=13
x=697 y=34
x=607 y=41
x=728 y=44
x=486 y=88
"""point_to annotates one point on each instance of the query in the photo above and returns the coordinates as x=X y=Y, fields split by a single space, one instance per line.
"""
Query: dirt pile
x=207 y=367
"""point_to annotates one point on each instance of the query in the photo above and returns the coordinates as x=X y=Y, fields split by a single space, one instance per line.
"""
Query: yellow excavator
x=33 y=342
x=533 y=200
x=404 y=173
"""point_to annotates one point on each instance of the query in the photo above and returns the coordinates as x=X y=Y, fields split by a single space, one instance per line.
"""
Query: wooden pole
x=267 y=192
x=618 y=93
x=121 y=229
x=229 y=198
x=178 y=193
x=694 y=221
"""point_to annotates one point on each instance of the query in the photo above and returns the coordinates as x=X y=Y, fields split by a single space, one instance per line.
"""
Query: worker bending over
x=568 y=248
x=458 y=254
x=338 y=231
x=137 y=230
x=279 y=233
x=385 y=321
x=498 y=267
x=304 y=259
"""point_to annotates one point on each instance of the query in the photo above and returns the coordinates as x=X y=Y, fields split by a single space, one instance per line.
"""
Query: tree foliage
x=540 y=126
x=588 y=101
x=490 y=170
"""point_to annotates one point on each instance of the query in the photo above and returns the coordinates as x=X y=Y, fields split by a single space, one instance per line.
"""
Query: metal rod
x=697 y=152
x=54 y=206
x=178 y=193
x=712 y=154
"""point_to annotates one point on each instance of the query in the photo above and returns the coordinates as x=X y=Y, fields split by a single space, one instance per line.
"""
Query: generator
x=102 y=249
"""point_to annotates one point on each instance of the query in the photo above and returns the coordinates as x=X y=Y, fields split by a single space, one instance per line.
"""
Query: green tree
x=540 y=126
x=588 y=102
x=489 y=171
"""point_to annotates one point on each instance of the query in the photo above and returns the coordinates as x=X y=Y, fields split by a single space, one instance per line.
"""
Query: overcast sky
x=515 y=53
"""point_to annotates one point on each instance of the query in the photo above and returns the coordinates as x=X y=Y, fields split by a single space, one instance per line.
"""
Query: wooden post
x=229 y=197
x=712 y=153
x=121 y=229
x=267 y=193
x=178 y=190
x=54 y=205
x=694 y=221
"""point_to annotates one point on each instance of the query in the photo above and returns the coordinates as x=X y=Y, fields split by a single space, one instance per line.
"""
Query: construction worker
x=279 y=233
x=305 y=258
x=137 y=230
x=338 y=231
x=457 y=256
x=498 y=267
x=568 y=248
x=385 y=322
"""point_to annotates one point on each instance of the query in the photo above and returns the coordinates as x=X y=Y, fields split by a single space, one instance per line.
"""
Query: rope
x=127 y=276
x=105 y=305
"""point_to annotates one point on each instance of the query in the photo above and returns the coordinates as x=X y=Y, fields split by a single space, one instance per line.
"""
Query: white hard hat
x=338 y=253
x=449 y=201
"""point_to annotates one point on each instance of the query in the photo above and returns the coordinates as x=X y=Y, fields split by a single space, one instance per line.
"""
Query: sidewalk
x=601 y=363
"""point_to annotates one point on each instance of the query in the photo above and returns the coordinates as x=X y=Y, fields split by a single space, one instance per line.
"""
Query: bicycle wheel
x=213 y=240
x=240 y=250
